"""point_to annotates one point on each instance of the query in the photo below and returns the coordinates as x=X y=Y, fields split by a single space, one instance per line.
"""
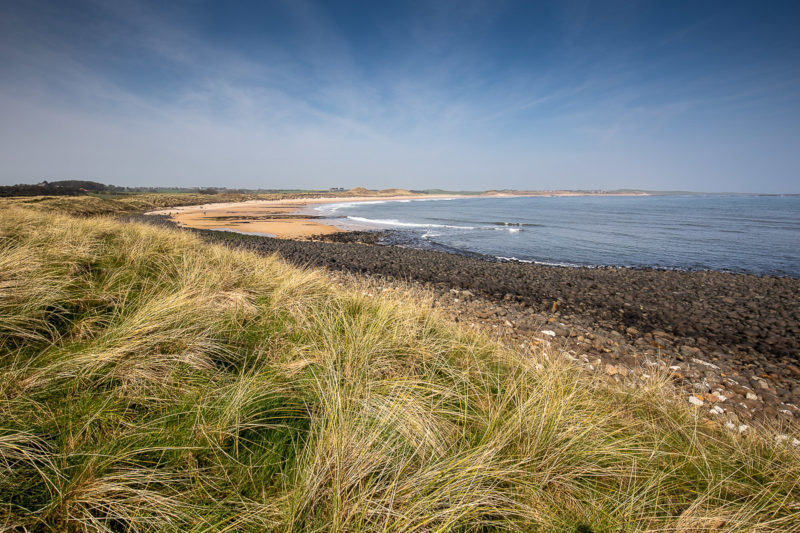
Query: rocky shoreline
x=736 y=395
x=730 y=341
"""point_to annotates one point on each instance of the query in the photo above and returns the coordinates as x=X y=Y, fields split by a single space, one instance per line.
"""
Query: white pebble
x=730 y=425
x=549 y=332
x=694 y=400
x=785 y=438
x=743 y=428
x=751 y=396
x=716 y=410
x=705 y=363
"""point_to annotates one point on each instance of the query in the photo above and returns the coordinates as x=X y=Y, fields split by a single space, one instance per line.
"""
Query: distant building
x=336 y=189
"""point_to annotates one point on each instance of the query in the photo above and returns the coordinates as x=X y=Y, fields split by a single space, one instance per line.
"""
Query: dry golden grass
x=149 y=381
x=94 y=205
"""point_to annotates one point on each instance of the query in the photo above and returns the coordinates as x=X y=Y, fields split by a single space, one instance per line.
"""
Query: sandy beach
x=288 y=219
x=276 y=218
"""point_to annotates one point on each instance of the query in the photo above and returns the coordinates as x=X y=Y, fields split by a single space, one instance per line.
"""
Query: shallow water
x=759 y=234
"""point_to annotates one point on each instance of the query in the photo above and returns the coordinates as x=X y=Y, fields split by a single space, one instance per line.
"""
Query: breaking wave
x=399 y=224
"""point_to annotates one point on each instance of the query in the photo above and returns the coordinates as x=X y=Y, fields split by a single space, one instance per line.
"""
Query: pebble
x=694 y=400
x=705 y=363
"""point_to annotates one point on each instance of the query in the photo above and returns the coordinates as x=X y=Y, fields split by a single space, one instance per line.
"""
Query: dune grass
x=109 y=205
x=150 y=382
x=96 y=205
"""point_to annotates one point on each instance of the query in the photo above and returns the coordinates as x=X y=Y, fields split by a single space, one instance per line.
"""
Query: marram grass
x=95 y=205
x=150 y=382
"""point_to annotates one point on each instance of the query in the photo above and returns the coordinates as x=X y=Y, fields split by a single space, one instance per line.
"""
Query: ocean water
x=757 y=234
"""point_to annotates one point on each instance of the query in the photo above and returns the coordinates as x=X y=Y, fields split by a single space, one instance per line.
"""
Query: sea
x=737 y=233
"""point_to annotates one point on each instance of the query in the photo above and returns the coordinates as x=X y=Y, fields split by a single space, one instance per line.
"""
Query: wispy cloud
x=145 y=92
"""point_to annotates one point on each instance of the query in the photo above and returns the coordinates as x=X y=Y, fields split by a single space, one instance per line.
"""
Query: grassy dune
x=149 y=381
x=136 y=203
x=95 y=205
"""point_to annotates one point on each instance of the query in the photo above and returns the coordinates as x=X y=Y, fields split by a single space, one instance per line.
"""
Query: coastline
x=246 y=366
x=729 y=340
x=288 y=218
x=724 y=338
x=283 y=219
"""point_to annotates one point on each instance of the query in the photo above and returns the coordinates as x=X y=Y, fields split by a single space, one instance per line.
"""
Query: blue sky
x=699 y=95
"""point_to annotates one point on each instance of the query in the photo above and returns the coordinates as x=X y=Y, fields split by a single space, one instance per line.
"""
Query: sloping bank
x=150 y=381
x=736 y=335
